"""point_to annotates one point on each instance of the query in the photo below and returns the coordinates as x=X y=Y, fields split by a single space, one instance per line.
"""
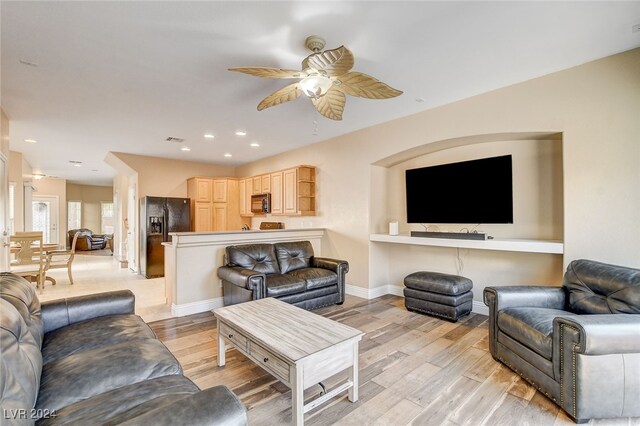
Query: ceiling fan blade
x=331 y=105
x=286 y=94
x=270 y=72
x=334 y=62
x=365 y=86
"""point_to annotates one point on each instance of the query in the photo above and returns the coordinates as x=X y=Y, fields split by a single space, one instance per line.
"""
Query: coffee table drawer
x=269 y=361
x=238 y=339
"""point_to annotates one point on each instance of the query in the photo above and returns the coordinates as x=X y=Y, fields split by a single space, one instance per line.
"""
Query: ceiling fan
x=326 y=78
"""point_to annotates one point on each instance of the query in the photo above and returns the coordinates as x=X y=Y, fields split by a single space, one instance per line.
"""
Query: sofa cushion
x=316 y=277
x=282 y=285
x=22 y=295
x=92 y=334
x=125 y=402
x=531 y=327
x=258 y=257
x=20 y=361
x=85 y=374
x=294 y=255
x=599 y=288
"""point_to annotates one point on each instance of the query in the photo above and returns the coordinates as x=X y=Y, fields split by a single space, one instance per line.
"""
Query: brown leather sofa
x=87 y=240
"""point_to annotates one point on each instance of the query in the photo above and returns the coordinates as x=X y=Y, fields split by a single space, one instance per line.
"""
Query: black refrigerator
x=158 y=217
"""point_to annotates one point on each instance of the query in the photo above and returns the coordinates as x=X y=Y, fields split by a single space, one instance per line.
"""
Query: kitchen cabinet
x=266 y=183
x=293 y=191
x=276 y=193
x=222 y=210
x=220 y=190
x=245 y=192
x=201 y=216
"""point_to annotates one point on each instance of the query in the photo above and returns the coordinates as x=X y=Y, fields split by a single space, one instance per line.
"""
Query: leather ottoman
x=442 y=295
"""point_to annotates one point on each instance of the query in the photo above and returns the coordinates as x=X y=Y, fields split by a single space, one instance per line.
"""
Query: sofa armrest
x=245 y=278
x=213 y=406
x=501 y=298
x=601 y=334
x=597 y=358
x=334 y=265
x=340 y=267
x=63 y=312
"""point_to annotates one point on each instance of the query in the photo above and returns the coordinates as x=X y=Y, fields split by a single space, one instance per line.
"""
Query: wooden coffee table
x=298 y=347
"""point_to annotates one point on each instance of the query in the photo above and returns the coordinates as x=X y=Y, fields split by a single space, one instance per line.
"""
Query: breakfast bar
x=191 y=260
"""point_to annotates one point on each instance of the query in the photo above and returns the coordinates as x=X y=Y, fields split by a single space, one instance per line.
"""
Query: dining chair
x=56 y=259
x=28 y=259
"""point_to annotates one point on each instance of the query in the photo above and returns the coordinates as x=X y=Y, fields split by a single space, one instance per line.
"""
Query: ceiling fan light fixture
x=315 y=86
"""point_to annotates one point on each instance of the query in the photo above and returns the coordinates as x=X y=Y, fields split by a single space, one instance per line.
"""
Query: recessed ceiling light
x=209 y=136
x=77 y=165
x=419 y=100
x=254 y=145
x=94 y=170
x=228 y=155
x=38 y=176
x=31 y=141
x=241 y=133
x=185 y=148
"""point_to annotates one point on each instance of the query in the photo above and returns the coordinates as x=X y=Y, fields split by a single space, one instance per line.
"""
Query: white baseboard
x=196 y=307
x=371 y=293
x=479 y=308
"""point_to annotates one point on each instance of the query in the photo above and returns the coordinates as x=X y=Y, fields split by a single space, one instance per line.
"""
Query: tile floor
x=95 y=274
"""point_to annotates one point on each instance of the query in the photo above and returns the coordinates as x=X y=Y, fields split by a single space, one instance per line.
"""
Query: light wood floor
x=414 y=369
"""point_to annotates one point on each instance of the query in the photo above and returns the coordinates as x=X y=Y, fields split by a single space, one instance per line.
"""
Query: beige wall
x=58 y=189
x=152 y=176
x=91 y=197
x=595 y=107
x=162 y=177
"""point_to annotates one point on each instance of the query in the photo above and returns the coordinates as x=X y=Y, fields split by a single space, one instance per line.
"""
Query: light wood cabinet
x=266 y=183
x=289 y=193
x=222 y=210
x=220 y=213
x=293 y=191
x=202 y=216
x=276 y=193
x=299 y=191
x=199 y=189
x=257 y=185
x=245 y=192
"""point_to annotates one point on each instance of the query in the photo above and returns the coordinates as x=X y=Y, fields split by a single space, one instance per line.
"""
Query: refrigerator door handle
x=165 y=228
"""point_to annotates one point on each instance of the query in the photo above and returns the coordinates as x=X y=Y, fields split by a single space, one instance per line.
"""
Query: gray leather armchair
x=579 y=344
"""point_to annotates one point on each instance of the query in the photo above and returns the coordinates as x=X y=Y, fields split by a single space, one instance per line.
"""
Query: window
x=74 y=215
x=107 y=218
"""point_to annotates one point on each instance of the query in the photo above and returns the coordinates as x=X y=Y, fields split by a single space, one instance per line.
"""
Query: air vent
x=176 y=140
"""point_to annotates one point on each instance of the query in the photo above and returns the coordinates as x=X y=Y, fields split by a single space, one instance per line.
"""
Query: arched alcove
x=538 y=212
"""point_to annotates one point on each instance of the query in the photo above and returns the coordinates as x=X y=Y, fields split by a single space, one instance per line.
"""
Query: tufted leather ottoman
x=442 y=295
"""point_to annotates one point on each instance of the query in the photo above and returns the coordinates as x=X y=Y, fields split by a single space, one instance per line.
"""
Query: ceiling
x=123 y=76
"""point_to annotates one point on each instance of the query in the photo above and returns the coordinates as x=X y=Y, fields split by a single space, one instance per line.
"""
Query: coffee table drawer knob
x=230 y=336
x=266 y=360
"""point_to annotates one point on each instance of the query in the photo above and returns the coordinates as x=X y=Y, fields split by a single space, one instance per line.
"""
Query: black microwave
x=261 y=203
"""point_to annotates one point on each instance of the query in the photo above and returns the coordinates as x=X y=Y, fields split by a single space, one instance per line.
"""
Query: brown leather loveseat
x=87 y=240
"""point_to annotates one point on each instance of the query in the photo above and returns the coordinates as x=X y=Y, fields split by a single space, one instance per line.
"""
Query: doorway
x=45 y=217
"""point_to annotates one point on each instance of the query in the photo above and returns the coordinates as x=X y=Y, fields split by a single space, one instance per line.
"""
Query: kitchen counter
x=191 y=261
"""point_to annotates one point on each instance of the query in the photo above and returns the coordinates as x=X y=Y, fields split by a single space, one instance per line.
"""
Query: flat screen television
x=469 y=192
